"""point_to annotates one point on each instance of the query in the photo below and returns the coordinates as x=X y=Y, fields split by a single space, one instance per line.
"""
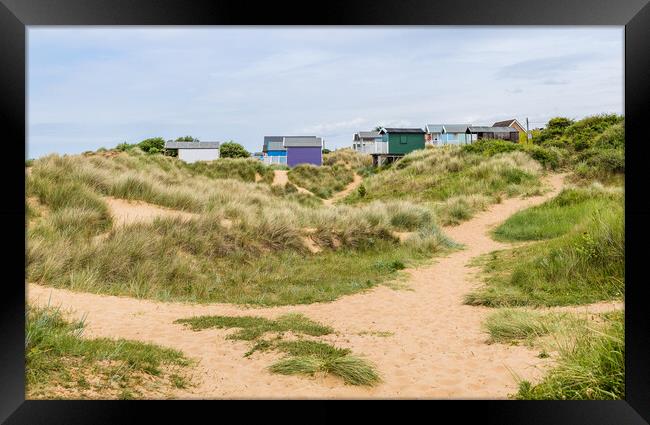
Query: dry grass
x=260 y=257
x=452 y=183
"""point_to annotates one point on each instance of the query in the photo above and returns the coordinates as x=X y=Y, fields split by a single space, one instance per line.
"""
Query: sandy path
x=352 y=186
x=437 y=348
x=281 y=178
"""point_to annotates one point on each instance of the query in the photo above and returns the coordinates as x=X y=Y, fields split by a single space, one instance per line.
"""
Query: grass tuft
x=590 y=368
x=252 y=327
x=61 y=364
x=303 y=357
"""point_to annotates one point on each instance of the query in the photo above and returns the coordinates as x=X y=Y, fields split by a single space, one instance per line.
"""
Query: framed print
x=354 y=201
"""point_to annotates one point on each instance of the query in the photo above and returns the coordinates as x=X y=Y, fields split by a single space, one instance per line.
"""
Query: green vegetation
x=512 y=326
x=303 y=357
x=559 y=215
x=62 y=365
x=590 y=367
x=153 y=145
x=348 y=158
x=244 y=169
x=549 y=157
x=309 y=358
x=254 y=327
x=594 y=147
x=584 y=265
x=233 y=150
x=491 y=147
x=186 y=139
x=322 y=181
x=452 y=183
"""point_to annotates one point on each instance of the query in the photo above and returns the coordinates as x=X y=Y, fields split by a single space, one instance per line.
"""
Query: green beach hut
x=397 y=142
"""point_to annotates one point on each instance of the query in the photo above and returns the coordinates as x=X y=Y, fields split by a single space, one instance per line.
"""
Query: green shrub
x=152 y=145
x=490 y=147
x=612 y=138
x=547 y=156
x=582 y=133
x=233 y=150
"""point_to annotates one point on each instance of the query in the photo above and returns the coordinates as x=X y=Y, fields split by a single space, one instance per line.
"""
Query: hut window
x=403 y=139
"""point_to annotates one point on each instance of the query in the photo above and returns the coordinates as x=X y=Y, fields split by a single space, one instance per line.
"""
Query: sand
x=437 y=348
x=127 y=211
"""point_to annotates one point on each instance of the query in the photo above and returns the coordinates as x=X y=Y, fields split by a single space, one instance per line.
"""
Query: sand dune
x=435 y=346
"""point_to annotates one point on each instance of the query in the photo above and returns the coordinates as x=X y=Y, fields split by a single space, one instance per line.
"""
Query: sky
x=92 y=87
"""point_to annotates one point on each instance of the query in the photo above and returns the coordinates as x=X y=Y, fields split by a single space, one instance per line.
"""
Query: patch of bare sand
x=437 y=348
x=128 y=211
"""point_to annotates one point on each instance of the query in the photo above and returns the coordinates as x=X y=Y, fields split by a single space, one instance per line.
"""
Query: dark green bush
x=582 y=133
x=152 y=145
x=604 y=160
x=612 y=138
x=555 y=128
x=233 y=150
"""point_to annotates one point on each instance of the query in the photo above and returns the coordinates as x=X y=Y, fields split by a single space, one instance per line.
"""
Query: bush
x=555 y=128
x=186 y=139
x=490 y=147
x=582 y=133
x=612 y=138
x=547 y=156
x=122 y=147
x=152 y=145
x=602 y=164
x=233 y=150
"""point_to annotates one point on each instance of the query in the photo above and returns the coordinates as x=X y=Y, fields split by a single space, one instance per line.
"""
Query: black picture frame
x=16 y=15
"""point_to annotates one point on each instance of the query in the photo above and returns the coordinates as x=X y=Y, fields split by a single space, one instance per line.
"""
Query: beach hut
x=503 y=133
x=397 y=142
x=303 y=150
x=447 y=134
x=273 y=150
x=194 y=151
